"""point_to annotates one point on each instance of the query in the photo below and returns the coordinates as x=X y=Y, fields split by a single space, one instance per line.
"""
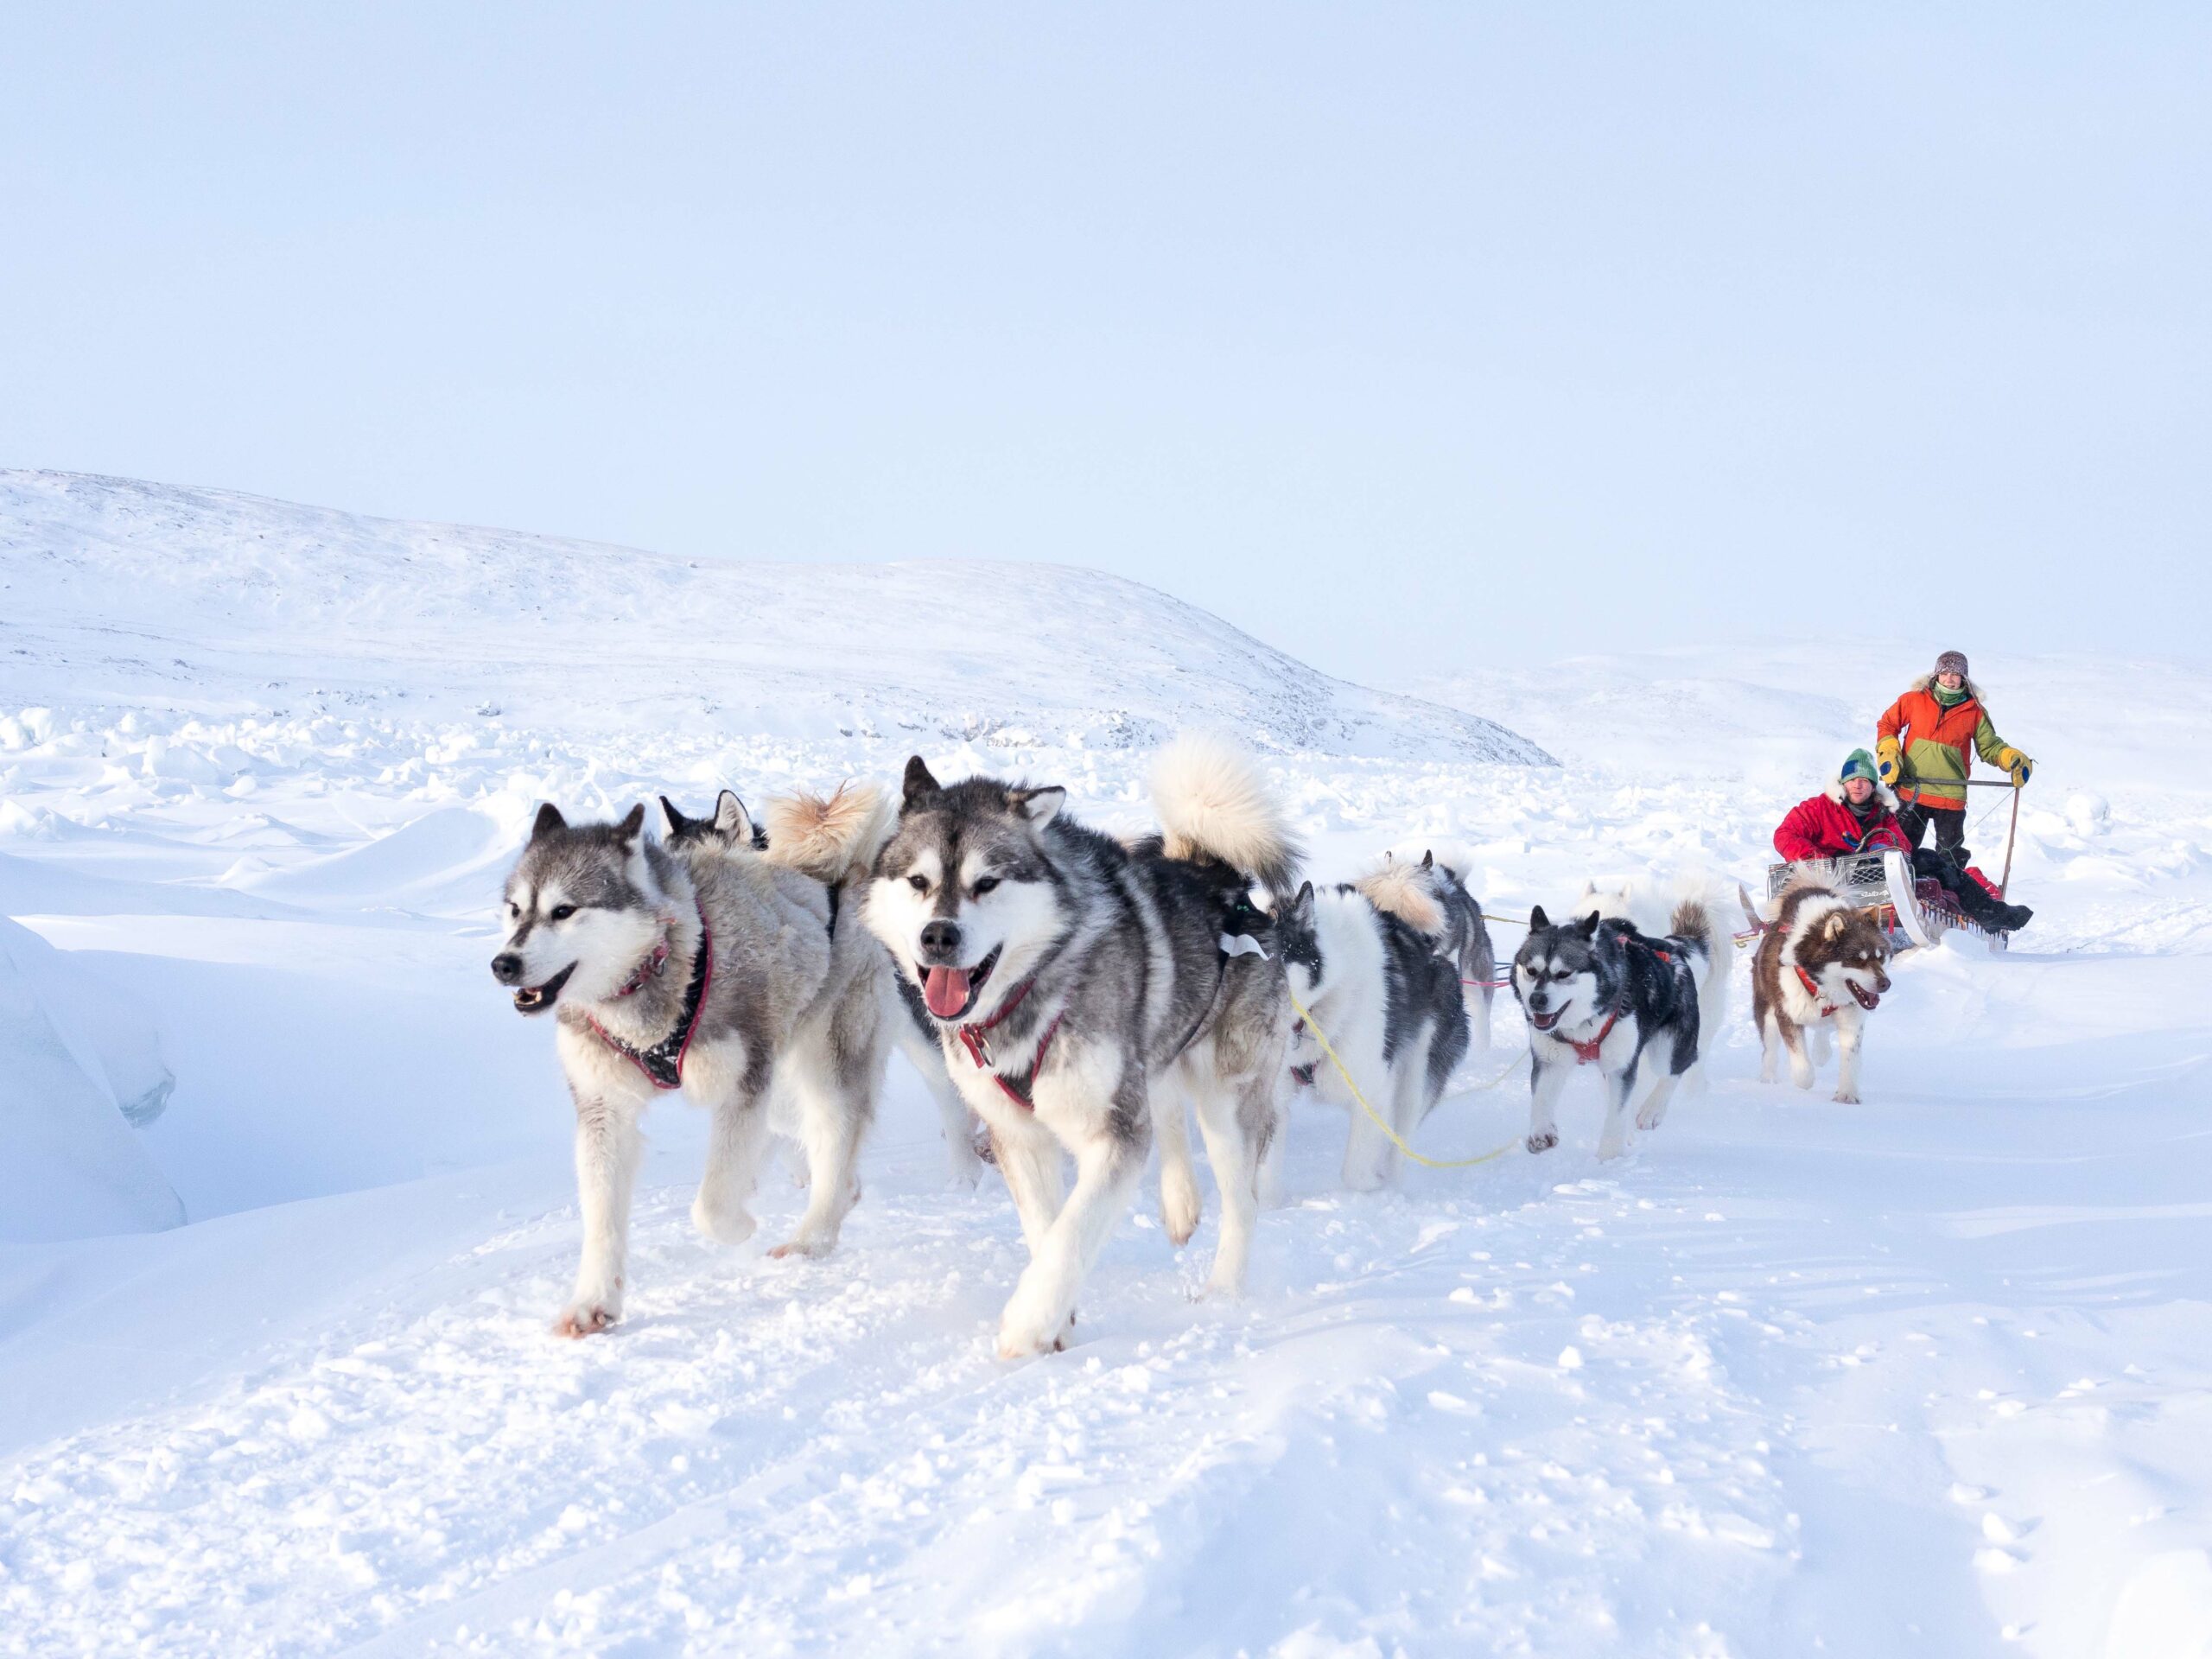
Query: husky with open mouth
x=1081 y=989
x=1598 y=992
x=708 y=968
x=1820 y=965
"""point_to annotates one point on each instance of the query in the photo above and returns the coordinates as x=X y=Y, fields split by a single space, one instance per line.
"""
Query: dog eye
x=984 y=884
x=561 y=912
x=919 y=883
x=513 y=909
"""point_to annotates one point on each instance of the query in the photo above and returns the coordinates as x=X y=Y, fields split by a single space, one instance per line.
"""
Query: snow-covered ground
x=1931 y=1375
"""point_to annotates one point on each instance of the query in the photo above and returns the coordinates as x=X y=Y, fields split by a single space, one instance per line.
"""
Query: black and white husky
x=1598 y=992
x=1390 y=1006
x=1081 y=989
x=1432 y=896
x=713 y=970
x=731 y=826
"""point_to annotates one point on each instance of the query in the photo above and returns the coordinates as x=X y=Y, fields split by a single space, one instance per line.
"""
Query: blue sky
x=1401 y=335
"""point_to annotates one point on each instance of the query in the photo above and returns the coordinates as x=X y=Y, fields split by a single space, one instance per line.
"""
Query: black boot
x=2017 y=917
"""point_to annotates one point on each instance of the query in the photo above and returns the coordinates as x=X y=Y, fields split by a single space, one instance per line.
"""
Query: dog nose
x=941 y=938
x=506 y=968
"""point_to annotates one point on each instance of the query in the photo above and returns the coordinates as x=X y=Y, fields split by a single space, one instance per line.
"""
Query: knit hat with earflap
x=1951 y=661
x=1860 y=764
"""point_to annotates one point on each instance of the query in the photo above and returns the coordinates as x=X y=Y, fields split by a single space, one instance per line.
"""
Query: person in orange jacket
x=1924 y=747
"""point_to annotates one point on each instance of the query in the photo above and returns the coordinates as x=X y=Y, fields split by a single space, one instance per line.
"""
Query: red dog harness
x=975 y=1038
x=1586 y=1053
x=663 y=1063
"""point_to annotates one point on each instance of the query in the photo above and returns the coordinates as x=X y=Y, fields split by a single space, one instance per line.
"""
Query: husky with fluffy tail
x=1432 y=896
x=708 y=969
x=1819 y=965
x=1081 y=988
x=909 y=1022
x=1390 y=1005
x=1598 y=992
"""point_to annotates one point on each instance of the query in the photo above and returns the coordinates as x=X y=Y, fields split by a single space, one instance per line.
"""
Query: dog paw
x=1647 y=1119
x=1609 y=1149
x=805 y=1244
x=724 y=1224
x=1543 y=1140
x=586 y=1319
x=1180 y=1206
x=1026 y=1330
x=1844 y=1098
x=1022 y=1343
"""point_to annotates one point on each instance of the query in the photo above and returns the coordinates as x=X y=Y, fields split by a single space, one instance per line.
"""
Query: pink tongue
x=945 y=989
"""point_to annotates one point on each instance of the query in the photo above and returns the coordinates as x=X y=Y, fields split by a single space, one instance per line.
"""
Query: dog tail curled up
x=1697 y=916
x=829 y=837
x=1213 y=804
x=1399 y=888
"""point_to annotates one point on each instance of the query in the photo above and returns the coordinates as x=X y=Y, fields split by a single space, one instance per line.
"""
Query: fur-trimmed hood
x=1882 y=792
x=1927 y=683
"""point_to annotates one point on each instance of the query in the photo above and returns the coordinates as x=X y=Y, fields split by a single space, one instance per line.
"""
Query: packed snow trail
x=1928 y=1375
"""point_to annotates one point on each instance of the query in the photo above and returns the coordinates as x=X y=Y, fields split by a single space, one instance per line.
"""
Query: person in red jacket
x=1855 y=814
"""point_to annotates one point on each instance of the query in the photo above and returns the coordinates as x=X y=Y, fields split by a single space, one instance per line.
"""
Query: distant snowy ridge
x=218 y=603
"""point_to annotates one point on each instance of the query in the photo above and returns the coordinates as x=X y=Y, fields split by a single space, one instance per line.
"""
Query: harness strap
x=1814 y=991
x=1020 y=1090
x=656 y=959
x=975 y=1038
x=662 y=1063
x=1586 y=1053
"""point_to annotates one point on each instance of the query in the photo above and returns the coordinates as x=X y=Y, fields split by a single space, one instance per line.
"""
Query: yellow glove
x=1888 y=761
x=2019 y=765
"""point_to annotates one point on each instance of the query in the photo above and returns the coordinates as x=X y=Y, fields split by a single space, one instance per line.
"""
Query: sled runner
x=1911 y=909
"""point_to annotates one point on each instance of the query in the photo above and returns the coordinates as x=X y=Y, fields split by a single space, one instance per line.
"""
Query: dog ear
x=1040 y=806
x=1589 y=924
x=1301 y=908
x=548 y=820
x=730 y=818
x=919 y=785
x=1838 y=920
x=1537 y=920
x=675 y=816
x=633 y=822
x=1428 y=858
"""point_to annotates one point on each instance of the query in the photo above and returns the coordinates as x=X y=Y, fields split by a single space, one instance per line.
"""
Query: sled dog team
x=1082 y=997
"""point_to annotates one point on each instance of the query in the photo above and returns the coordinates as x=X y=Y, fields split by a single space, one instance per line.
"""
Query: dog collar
x=656 y=959
x=1585 y=1053
x=662 y=1063
x=975 y=1038
x=1814 y=991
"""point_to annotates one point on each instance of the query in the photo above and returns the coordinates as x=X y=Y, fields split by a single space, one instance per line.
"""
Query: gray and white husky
x=1082 y=989
x=730 y=825
x=1390 y=1007
x=710 y=969
x=1598 y=992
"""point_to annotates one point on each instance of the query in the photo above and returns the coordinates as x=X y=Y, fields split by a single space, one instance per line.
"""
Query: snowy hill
x=1926 y=1375
x=220 y=603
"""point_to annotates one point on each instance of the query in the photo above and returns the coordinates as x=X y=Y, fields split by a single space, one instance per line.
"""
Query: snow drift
x=80 y=1065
